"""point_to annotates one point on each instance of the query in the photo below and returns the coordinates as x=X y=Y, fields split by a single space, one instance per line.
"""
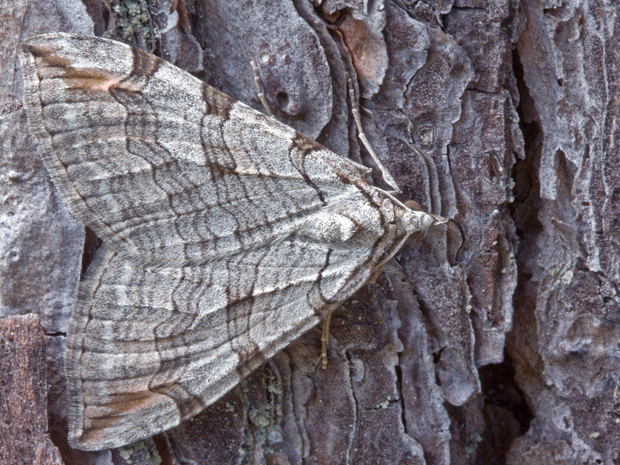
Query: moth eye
x=413 y=205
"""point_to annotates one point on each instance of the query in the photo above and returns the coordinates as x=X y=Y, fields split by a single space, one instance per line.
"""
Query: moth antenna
x=358 y=121
x=325 y=340
x=261 y=94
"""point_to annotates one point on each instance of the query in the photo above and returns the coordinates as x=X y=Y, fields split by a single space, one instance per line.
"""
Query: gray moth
x=226 y=234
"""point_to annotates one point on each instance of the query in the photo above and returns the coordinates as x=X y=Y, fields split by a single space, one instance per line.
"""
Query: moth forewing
x=226 y=234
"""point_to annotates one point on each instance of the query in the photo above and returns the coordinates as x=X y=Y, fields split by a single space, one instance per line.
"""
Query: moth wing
x=151 y=347
x=163 y=167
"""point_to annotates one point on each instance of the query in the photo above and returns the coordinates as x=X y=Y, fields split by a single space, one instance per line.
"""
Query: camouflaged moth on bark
x=226 y=234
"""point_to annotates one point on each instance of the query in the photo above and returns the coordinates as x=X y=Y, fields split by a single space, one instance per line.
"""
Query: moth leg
x=358 y=122
x=325 y=340
x=261 y=94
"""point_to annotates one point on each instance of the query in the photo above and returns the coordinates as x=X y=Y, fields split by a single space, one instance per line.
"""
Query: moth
x=226 y=234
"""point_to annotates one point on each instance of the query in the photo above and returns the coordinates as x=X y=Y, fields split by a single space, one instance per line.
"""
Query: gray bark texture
x=494 y=340
x=23 y=393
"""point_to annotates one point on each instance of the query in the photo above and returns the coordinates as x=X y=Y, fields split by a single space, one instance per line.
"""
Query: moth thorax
x=330 y=227
x=387 y=208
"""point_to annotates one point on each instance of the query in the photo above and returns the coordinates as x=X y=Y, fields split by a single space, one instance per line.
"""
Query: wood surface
x=494 y=342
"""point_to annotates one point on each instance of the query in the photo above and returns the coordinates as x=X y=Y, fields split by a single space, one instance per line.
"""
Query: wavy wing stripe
x=226 y=234
x=167 y=183
x=160 y=344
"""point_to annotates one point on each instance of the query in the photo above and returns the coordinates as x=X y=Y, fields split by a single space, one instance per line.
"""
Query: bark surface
x=492 y=341
x=24 y=436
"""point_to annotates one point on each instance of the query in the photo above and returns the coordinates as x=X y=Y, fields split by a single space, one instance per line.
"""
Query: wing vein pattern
x=226 y=234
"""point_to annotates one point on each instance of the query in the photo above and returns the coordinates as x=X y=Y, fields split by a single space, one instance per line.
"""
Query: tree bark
x=491 y=340
x=24 y=436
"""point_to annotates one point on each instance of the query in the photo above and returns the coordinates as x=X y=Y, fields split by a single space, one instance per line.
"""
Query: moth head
x=413 y=219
